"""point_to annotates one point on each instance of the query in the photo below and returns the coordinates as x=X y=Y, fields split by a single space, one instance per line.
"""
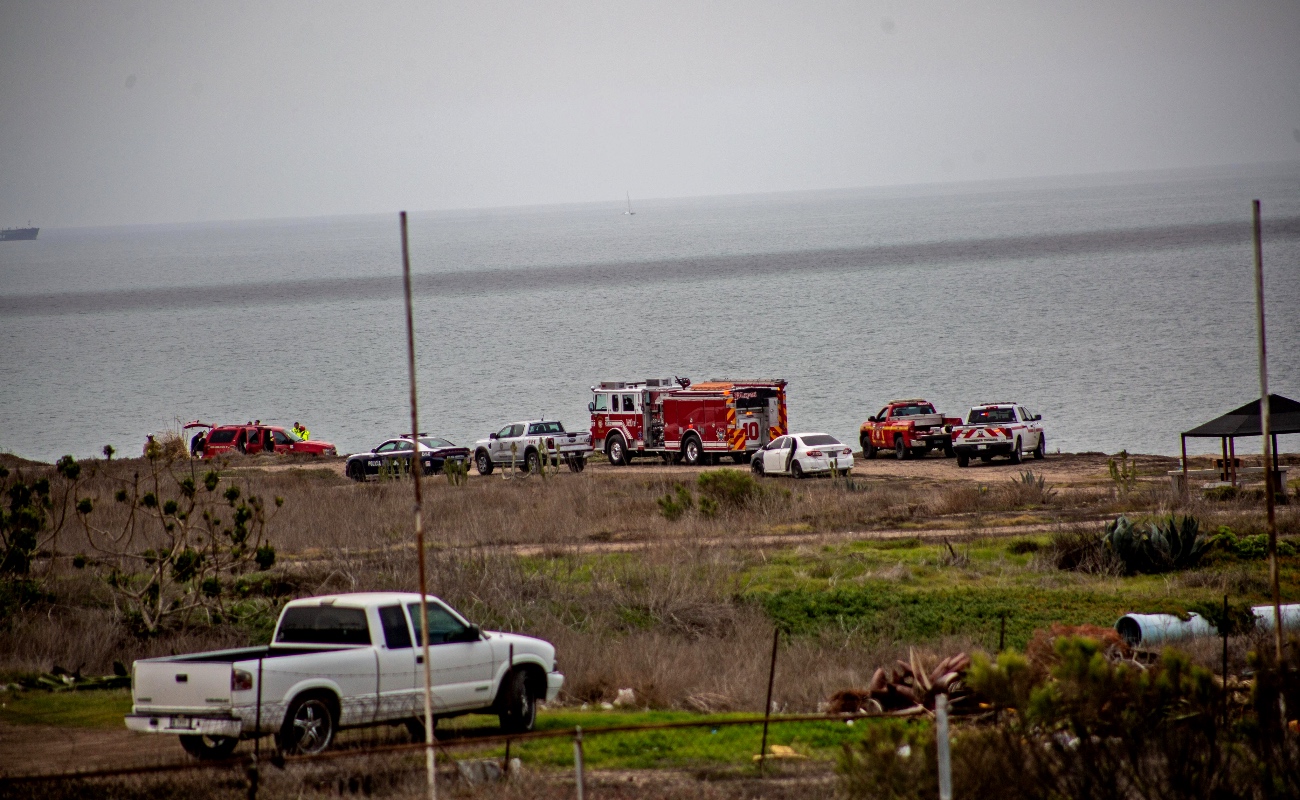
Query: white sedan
x=801 y=454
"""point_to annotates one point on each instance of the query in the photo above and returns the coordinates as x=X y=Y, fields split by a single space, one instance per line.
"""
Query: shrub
x=1078 y=550
x=1248 y=547
x=729 y=487
x=674 y=505
x=1169 y=544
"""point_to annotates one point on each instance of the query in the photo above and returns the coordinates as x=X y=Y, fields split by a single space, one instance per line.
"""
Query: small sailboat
x=629 y=211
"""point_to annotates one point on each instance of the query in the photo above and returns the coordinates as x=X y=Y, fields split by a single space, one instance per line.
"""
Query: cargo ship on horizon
x=18 y=234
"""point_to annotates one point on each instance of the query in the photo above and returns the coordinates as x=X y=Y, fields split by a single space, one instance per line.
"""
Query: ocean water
x=1119 y=307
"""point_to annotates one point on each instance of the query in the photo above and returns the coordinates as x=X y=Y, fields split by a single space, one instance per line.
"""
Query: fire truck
x=677 y=420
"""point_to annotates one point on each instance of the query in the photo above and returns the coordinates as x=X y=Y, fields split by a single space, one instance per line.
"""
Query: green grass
x=682 y=748
x=87 y=709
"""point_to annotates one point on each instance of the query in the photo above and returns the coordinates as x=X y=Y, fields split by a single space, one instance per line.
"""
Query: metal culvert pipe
x=1152 y=630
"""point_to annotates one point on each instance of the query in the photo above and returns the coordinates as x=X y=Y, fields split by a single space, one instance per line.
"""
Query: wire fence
x=758 y=756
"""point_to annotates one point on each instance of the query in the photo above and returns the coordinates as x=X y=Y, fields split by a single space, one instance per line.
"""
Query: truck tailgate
x=188 y=686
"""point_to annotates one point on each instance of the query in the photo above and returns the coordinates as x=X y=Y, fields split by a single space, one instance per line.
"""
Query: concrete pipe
x=1152 y=630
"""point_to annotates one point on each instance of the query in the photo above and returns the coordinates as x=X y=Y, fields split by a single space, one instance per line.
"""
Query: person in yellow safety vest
x=301 y=432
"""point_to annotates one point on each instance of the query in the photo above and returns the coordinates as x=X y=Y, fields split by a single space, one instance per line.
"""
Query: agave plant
x=1176 y=544
x=1169 y=544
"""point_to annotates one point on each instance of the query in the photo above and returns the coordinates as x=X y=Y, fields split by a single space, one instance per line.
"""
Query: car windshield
x=221 y=436
x=986 y=416
x=545 y=427
x=435 y=444
x=323 y=625
x=913 y=410
x=820 y=440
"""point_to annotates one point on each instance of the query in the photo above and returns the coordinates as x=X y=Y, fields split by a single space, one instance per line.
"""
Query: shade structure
x=1284 y=416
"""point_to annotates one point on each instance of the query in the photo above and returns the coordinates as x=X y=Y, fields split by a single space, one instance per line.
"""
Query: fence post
x=1226 y=694
x=255 y=771
x=577 y=759
x=510 y=673
x=941 y=737
x=767 y=707
x=1002 y=633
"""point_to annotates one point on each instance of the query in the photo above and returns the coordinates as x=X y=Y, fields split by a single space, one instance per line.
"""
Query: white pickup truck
x=524 y=444
x=340 y=661
x=998 y=429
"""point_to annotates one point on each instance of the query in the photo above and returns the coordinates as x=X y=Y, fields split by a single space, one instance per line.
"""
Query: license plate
x=374 y=463
x=984 y=447
x=181 y=723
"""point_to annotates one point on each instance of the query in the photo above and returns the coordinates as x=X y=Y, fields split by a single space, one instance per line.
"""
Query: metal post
x=577 y=759
x=429 y=764
x=510 y=672
x=945 y=758
x=1225 y=661
x=767 y=708
x=255 y=770
x=1183 y=438
x=1002 y=633
x=1265 y=413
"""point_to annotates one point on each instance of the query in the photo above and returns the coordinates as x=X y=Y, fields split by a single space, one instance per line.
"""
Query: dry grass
x=668 y=620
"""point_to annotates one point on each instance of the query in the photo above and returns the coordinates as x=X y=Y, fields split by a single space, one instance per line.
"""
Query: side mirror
x=492 y=436
x=473 y=633
x=872 y=419
x=591 y=407
x=1038 y=417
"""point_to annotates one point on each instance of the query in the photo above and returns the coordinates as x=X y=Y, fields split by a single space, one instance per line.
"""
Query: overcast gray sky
x=136 y=112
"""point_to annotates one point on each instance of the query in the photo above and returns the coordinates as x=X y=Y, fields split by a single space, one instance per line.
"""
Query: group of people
x=151 y=447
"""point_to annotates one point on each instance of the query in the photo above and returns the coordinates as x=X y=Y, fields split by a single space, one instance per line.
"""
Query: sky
x=120 y=112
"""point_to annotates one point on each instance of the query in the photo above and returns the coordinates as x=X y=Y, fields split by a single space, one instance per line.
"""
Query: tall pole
x=1264 y=422
x=767 y=709
x=416 y=468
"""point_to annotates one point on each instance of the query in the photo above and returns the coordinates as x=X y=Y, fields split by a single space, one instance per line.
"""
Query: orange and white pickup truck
x=907 y=428
x=999 y=429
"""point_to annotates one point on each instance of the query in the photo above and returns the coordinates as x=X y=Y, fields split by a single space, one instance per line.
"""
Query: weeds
x=457 y=472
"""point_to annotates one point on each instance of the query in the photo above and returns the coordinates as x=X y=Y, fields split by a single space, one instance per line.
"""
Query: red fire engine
x=677 y=420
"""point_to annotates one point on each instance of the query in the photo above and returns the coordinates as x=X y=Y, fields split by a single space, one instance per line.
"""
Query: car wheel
x=796 y=471
x=900 y=452
x=357 y=471
x=1016 y=456
x=309 y=728
x=209 y=748
x=519 y=708
x=756 y=466
x=868 y=449
x=1040 y=452
x=532 y=462
x=738 y=458
x=692 y=451
x=616 y=450
x=577 y=464
x=483 y=462
x=948 y=452
x=963 y=460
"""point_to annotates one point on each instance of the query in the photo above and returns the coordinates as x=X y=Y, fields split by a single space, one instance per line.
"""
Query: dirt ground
x=1056 y=468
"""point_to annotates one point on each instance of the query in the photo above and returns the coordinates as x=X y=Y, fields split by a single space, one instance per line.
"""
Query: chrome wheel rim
x=311 y=727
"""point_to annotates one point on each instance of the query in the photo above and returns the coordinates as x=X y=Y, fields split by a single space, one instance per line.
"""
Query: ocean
x=1120 y=307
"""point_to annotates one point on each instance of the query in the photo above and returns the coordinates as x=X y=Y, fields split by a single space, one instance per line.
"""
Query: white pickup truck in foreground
x=341 y=661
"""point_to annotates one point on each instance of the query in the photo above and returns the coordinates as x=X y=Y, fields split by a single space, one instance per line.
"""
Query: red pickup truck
x=907 y=428
x=254 y=438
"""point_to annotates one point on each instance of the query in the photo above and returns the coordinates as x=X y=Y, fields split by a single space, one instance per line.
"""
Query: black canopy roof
x=1284 y=417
